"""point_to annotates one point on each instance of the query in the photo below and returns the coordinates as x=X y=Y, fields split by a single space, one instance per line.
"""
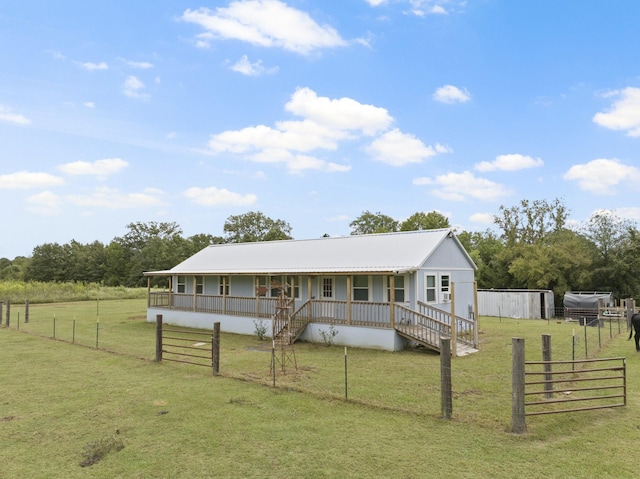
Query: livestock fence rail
x=553 y=387
x=181 y=345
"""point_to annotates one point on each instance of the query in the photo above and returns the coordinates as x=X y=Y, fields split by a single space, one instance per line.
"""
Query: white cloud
x=45 y=204
x=343 y=113
x=629 y=212
x=25 y=180
x=398 y=149
x=326 y=123
x=138 y=65
x=245 y=67
x=88 y=104
x=463 y=186
x=624 y=114
x=94 y=66
x=482 y=218
x=18 y=119
x=511 y=162
x=601 y=176
x=288 y=135
x=451 y=94
x=114 y=199
x=213 y=196
x=134 y=88
x=265 y=23
x=101 y=168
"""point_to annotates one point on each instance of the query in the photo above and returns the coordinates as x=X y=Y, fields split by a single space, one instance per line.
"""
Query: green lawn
x=58 y=400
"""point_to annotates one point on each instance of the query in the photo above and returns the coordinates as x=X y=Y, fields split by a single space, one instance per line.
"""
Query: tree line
x=533 y=247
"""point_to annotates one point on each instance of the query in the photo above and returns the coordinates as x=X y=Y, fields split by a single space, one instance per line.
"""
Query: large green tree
x=255 y=226
x=425 y=221
x=370 y=223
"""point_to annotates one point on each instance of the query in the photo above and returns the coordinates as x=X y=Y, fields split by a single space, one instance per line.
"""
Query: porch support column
x=223 y=280
x=349 y=291
x=392 y=299
x=195 y=290
x=170 y=292
x=476 y=318
x=148 y=292
x=454 y=338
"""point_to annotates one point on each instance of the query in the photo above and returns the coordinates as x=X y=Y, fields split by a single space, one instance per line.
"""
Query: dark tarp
x=587 y=300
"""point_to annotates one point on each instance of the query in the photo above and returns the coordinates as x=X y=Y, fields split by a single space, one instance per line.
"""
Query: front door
x=327 y=294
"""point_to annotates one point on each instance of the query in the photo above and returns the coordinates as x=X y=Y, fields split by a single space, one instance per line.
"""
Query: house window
x=431 y=296
x=199 y=284
x=223 y=285
x=398 y=289
x=275 y=283
x=182 y=284
x=361 y=288
x=327 y=288
x=444 y=287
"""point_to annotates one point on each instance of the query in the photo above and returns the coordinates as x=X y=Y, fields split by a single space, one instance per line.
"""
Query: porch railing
x=360 y=313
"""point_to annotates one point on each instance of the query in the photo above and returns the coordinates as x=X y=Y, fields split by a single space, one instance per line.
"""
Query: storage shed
x=516 y=303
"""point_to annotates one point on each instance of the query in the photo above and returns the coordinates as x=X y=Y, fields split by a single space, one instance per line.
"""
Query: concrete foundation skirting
x=356 y=336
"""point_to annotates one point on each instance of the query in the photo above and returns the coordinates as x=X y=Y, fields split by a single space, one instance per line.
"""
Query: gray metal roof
x=377 y=253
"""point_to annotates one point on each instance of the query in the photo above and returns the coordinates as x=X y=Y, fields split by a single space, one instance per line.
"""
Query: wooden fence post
x=546 y=356
x=158 y=338
x=215 y=349
x=1 y=306
x=8 y=312
x=518 y=425
x=26 y=311
x=445 y=377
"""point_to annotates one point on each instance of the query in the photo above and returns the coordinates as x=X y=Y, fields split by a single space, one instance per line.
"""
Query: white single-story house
x=378 y=291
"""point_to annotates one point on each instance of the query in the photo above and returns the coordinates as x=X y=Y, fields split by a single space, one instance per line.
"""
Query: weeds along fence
x=554 y=387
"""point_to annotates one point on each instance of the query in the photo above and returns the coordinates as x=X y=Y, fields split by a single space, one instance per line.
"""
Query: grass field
x=60 y=402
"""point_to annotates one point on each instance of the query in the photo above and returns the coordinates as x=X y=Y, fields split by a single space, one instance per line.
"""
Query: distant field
x=59 y=399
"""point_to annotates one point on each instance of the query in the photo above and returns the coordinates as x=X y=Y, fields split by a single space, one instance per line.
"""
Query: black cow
x=635 y=326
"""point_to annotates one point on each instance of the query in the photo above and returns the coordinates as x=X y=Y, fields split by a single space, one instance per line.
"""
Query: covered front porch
x=424 y=325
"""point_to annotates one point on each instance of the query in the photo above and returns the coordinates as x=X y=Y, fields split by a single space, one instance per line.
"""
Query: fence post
x=445 y=377
x=215 y=349
x=26 y=311
x=586 y=340
x=8 y=312
x=1 y=306
x=546 y=356
x=158 y=338
x=518 y=425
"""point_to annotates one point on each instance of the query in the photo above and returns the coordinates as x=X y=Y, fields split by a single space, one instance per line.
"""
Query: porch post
x=392 y=299
x=195 y=289
x=454 y=336
x=148 y=293
x=170 y=292
x=349 y=284
x=309 y=287
x=475 y=314
x=224 y=294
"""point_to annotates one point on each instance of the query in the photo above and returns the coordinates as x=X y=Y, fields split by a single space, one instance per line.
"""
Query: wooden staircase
x=430 y=338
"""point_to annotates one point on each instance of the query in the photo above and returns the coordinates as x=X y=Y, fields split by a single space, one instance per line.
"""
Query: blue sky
x=311 y=112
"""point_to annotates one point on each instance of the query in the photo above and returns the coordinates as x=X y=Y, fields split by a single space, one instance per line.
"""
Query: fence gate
x=552 y=387
x=182 y=345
